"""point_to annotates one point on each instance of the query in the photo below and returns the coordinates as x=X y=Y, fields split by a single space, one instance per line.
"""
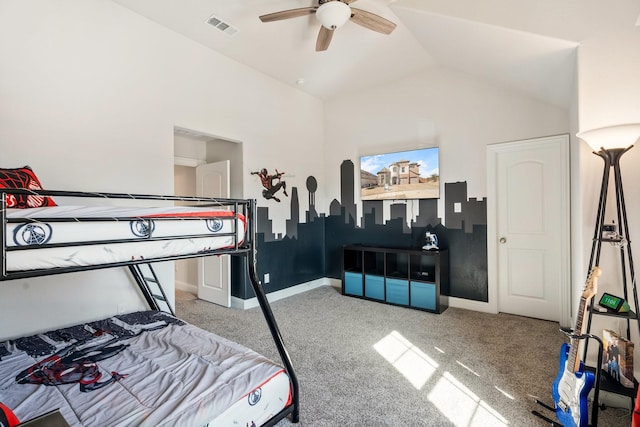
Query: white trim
x=236 y=302
x=472 y=305
x=239 y=303
x=492 y=237
x=185 y=161
x=283 y=293
x=492 y=222
x=187 y=287
x=198 y=134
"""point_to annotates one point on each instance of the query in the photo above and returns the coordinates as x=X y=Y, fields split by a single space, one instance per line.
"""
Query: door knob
x=503 y=240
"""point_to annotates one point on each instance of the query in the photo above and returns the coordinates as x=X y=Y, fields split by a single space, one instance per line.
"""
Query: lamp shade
x=608 y=137
x=333 y=14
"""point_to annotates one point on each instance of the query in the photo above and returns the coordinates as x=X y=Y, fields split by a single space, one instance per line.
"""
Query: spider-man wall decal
x=272 y=183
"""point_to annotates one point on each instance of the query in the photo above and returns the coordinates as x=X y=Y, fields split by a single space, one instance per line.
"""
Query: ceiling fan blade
x=372 y=21
x=287 y=14
x=324 y=38
x=348 y=1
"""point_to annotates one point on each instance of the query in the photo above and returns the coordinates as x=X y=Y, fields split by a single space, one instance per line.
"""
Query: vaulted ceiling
x=529 y=46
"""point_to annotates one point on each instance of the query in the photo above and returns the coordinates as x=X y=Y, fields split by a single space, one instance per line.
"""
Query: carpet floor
x=362 y=363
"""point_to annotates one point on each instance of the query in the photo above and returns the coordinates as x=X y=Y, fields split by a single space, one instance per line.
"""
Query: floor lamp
x=610 y=143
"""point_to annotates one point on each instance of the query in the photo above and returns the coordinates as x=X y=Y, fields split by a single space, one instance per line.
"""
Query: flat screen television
x=412 y=174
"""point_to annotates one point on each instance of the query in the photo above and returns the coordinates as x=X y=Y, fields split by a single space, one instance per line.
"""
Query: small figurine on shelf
x=431 y=242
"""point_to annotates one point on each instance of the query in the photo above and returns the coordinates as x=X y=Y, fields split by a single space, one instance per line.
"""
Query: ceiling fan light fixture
x=333 y=14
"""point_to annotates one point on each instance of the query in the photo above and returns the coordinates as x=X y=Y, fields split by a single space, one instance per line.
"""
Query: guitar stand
x=596 y=387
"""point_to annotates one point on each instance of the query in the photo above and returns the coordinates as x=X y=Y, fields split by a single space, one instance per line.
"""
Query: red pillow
x=23 y=178
x=7 y=418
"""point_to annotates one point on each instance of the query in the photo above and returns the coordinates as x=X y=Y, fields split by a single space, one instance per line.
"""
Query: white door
x=214 y=272
x=530 y=229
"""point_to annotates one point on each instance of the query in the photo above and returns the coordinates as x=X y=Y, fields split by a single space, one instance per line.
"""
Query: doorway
x=198 y=158
x=528 y=229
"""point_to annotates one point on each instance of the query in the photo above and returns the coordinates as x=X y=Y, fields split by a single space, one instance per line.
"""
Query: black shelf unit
x=630 y=315
x=399 y=276
x=609 y=384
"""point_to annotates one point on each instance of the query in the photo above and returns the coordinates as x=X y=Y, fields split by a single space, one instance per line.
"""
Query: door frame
x=186 y=161
x=217 y=147
x=492 y=217
x=223 y=260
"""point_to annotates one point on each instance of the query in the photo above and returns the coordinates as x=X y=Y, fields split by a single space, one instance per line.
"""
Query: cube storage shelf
x=406 y=277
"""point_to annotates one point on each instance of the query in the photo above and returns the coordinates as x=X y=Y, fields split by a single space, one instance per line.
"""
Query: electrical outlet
x=266 y=278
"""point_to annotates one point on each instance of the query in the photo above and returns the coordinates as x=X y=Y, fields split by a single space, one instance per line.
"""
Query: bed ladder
x=151 y=288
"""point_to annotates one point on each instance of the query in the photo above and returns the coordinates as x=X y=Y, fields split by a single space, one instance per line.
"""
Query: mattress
x=141 y=369
x=101 y=235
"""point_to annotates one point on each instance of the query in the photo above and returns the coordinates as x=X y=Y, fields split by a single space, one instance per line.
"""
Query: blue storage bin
x=423 y=295
x=398 y=291
x=374 y=287
x=353 y=283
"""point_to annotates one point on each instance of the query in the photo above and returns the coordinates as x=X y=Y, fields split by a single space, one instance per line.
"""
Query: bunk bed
x=148 y=367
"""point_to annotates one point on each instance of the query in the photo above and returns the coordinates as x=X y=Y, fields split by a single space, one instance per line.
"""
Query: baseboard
x=468 y=304
x=284 y=293
x=337 y=283
x=187 y=287
x=613 y=400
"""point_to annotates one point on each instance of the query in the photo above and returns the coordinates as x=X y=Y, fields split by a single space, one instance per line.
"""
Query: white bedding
x=205 y=230
x=143 y=369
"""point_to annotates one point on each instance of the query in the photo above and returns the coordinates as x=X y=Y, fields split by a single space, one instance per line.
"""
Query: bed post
x=268 y=314
x=3 y=236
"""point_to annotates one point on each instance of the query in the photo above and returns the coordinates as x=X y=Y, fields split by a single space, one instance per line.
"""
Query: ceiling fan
x=332 y=14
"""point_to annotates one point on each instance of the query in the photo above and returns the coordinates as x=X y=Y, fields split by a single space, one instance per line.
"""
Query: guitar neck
x=573 y=360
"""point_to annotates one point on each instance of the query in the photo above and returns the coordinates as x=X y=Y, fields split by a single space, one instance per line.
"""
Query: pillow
x=7 y=417
x=23 y=178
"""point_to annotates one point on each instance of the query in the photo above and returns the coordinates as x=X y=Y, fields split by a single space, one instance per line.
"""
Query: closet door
x=531 y=226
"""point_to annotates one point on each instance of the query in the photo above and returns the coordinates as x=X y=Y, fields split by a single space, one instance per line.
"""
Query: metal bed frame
x=148 y=283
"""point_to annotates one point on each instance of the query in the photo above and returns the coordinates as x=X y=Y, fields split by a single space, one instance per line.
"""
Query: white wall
x=89 y=96
x=459 y=113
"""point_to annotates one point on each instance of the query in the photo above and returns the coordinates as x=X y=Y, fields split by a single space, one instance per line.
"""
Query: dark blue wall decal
x=466 y=221
x=313 y=249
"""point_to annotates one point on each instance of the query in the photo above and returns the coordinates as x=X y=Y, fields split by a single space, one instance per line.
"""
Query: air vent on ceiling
x=221 y=25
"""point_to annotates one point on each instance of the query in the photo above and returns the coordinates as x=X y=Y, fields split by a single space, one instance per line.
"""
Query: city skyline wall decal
x=313 y=249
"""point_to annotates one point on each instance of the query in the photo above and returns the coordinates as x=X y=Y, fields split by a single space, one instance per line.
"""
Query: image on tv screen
x=412 y=174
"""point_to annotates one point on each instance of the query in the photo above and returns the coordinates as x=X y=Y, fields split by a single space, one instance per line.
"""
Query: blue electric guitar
x=572 y=384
